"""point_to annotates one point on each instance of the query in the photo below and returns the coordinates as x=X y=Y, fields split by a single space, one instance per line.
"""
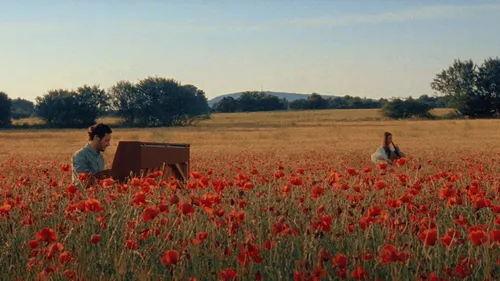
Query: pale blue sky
x=362 y=48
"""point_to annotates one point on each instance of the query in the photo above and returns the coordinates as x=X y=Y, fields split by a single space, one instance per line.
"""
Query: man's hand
x=103 y=174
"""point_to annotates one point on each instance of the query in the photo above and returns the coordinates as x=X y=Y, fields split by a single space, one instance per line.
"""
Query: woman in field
x=388 y=152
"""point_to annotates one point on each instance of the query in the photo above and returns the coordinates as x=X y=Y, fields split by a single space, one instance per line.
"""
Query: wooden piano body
x=137 y=159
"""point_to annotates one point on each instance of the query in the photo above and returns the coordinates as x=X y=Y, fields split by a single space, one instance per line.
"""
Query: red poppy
x=339 y=261
x=150 y=213
x=428 y=236
x=46 y=235
x=228 y=274
x=359 y=273
x=95 y=238
x=478 y=235
x=186 y=208
x=170 y=257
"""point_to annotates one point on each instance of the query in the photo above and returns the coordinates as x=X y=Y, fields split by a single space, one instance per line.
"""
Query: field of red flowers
x=255 y=217
x=291 y=202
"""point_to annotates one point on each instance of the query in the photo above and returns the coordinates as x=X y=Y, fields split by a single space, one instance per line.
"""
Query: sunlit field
x=271 y=196
x=274 y=118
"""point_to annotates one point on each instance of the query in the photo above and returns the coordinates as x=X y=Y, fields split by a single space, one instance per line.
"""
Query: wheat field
x=344 y=131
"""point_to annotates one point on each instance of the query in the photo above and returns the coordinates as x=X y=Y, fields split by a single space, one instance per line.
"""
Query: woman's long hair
x=385 y=144
x=386 y=136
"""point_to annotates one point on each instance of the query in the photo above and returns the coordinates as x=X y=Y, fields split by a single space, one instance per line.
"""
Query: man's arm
x=79 y=164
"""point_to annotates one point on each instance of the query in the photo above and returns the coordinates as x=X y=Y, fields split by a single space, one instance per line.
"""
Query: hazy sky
x=362 y=48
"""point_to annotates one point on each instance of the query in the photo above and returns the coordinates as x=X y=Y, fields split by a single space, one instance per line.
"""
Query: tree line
x=261 y=101
x=472 y=89
x=151 y=102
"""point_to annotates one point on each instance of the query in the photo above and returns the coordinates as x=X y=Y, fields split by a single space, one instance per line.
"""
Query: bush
x=402 y=109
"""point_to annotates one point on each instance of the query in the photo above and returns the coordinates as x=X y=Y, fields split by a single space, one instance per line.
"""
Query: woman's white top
x=380 y=154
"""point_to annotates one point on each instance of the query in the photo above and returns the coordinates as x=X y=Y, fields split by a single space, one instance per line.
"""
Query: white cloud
x=420 y=13
x=417 y=13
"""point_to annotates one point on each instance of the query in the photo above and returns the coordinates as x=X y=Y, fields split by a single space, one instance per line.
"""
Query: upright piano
x=138 y=159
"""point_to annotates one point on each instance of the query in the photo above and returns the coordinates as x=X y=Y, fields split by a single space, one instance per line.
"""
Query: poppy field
x=295 y=202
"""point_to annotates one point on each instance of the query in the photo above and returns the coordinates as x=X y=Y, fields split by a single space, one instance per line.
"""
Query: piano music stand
x=136 y=159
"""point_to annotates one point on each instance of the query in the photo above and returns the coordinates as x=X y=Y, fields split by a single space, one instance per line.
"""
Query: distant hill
x=287 y=96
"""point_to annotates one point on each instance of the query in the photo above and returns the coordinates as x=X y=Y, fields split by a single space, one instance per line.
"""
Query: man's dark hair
x=99 y=130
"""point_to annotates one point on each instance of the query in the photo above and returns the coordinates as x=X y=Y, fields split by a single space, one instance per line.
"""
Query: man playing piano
x=89 y=158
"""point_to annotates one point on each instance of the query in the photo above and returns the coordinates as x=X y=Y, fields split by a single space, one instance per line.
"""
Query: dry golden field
x=271 y=196
x=337 y=132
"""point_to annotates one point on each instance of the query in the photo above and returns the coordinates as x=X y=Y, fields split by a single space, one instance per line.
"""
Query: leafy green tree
x=316 y=101
x=300 y=104
x=72 y=109
x=22 y=108
x=92 y=102
x=227 y=104
x=5 y=113
x=488 y=83
x=56 y=107
x=126 y=101
x=434 y=102
x=158 y=101
x=198 y=107
x=338 y=103
x=472 y=89
x=261 y=101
